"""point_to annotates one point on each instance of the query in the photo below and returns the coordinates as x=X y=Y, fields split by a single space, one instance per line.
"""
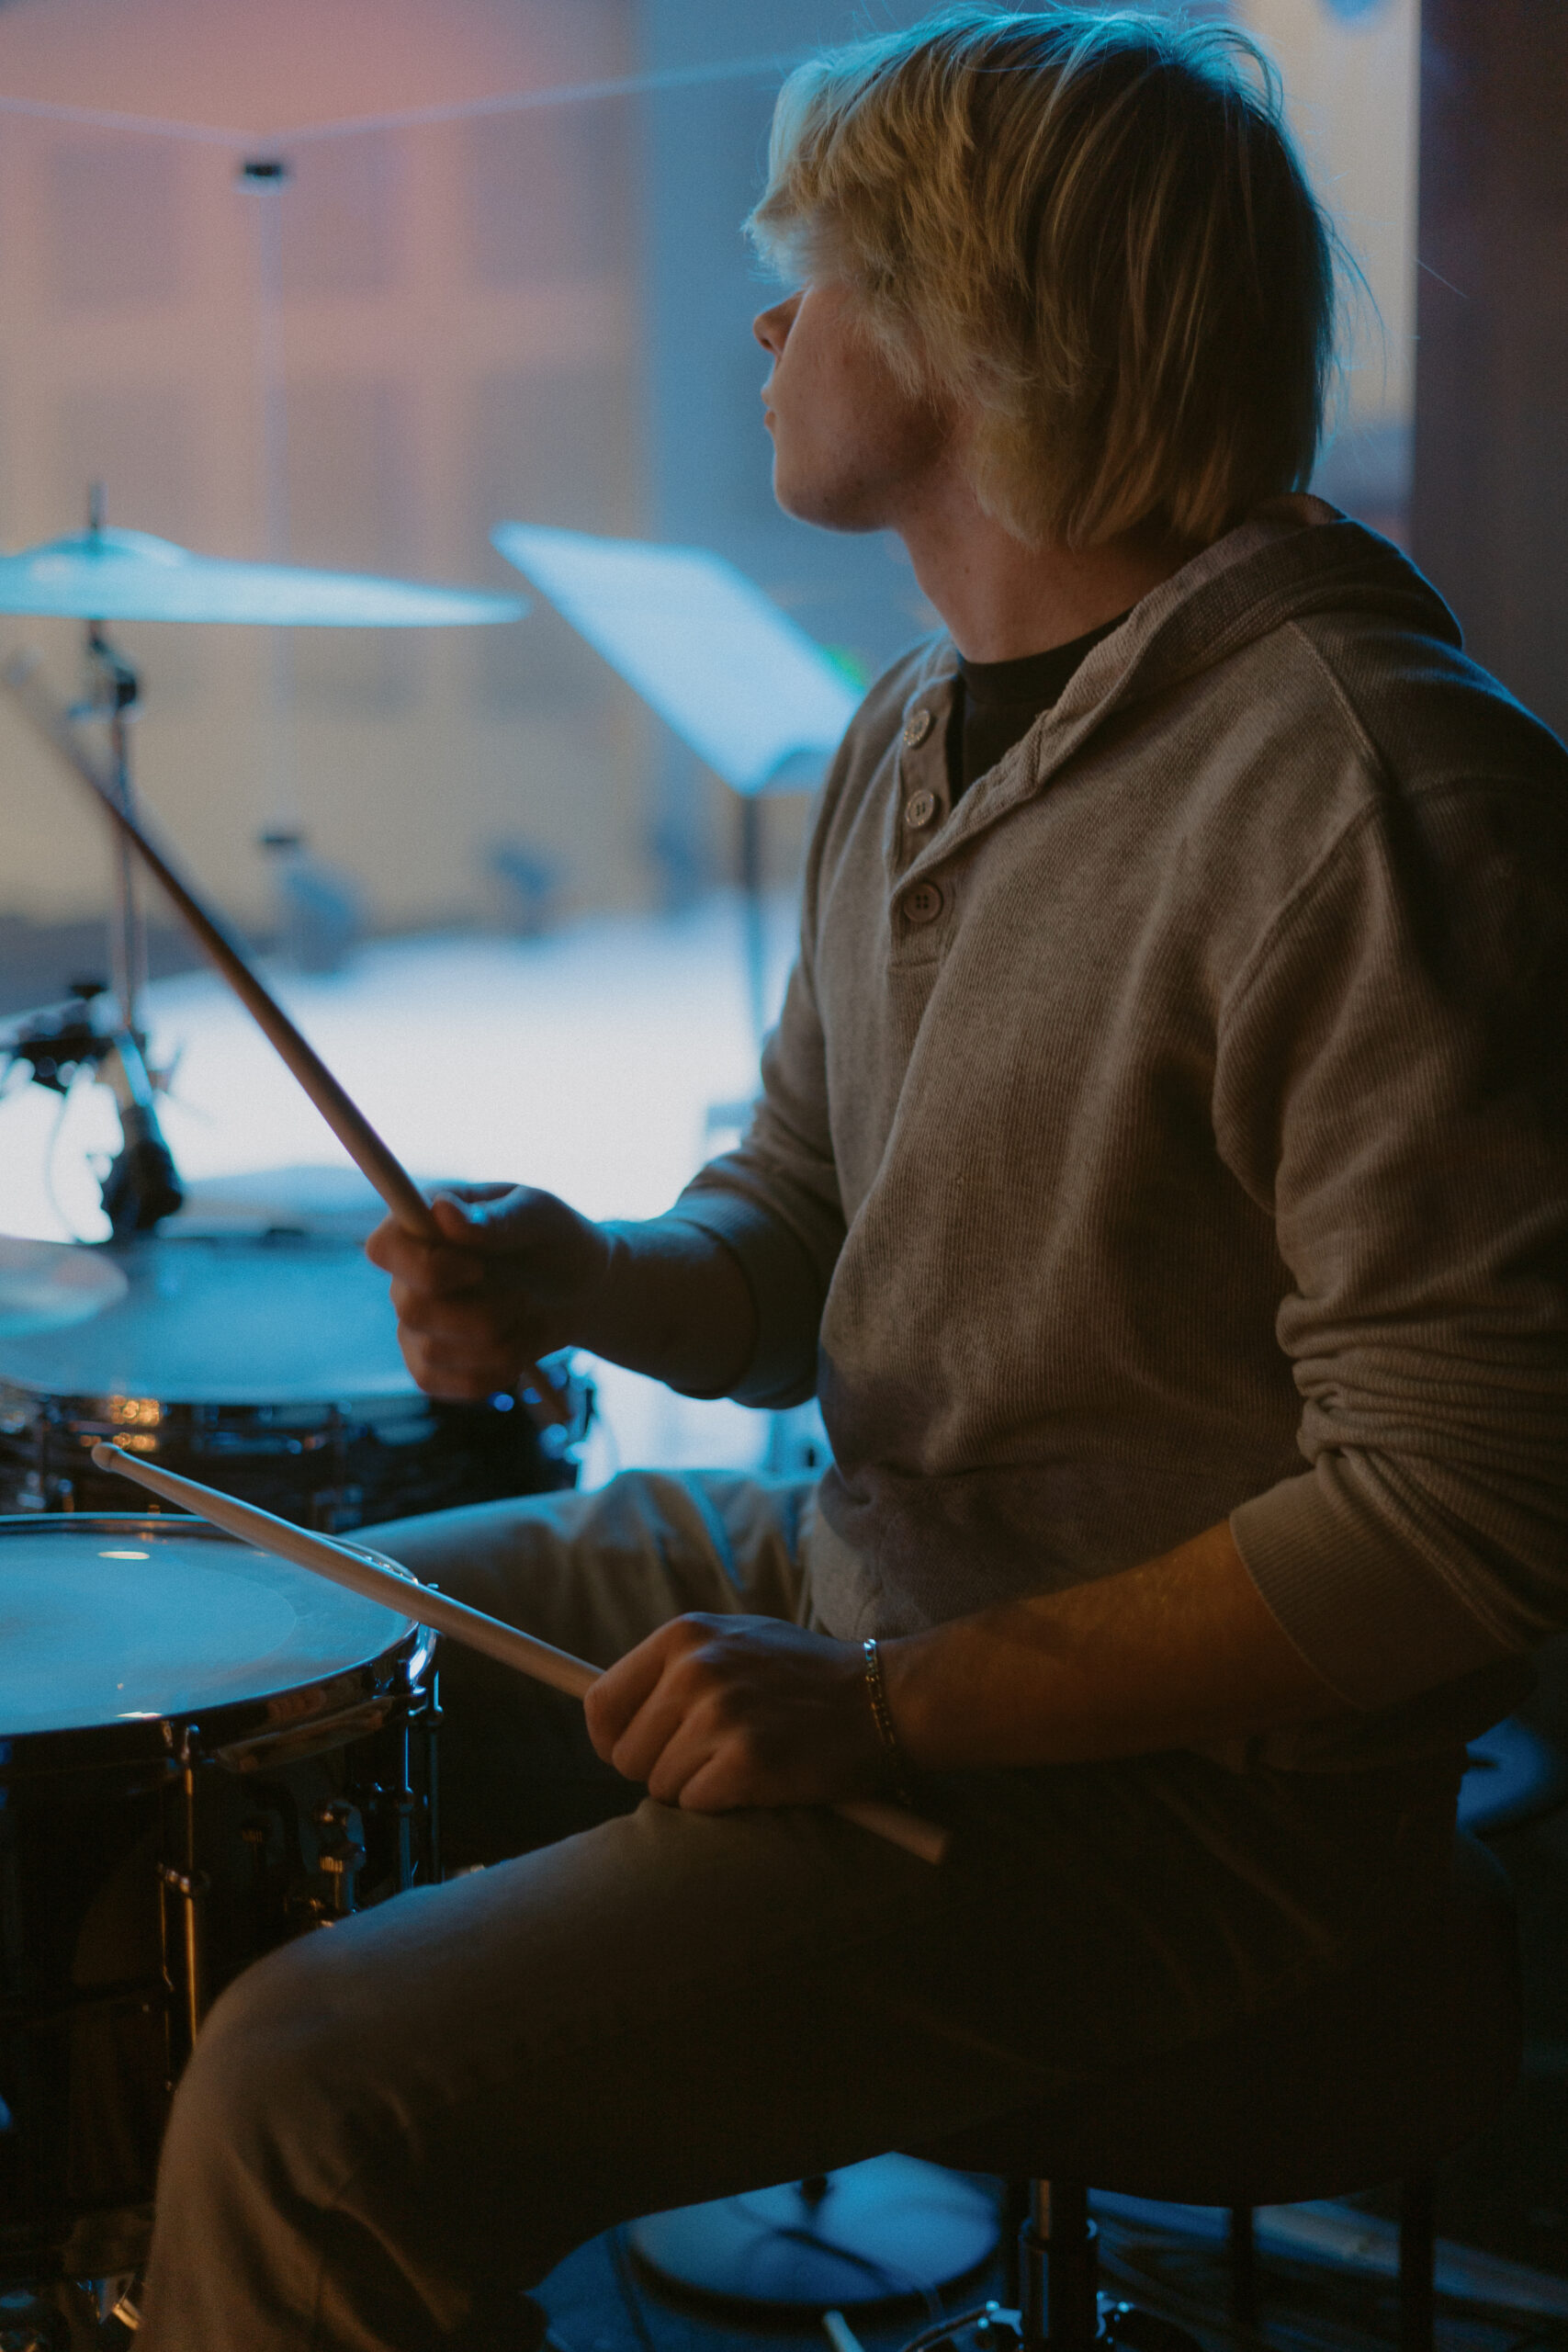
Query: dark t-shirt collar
x=995 y=704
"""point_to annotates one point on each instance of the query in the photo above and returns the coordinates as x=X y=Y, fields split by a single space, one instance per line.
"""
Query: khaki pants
x=390 y=2127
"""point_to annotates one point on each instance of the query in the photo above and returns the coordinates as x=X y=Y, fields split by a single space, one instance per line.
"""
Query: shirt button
x=920 y=809
x=917 y=727
x=924 y=903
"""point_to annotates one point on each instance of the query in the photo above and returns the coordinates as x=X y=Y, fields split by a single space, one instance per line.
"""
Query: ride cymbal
x=107 y=575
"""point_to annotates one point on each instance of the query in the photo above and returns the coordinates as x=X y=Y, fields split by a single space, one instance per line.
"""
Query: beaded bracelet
x=893 y=1767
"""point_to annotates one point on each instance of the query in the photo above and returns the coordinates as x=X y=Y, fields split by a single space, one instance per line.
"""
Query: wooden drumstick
x=471 y=1627
x=370 y=1155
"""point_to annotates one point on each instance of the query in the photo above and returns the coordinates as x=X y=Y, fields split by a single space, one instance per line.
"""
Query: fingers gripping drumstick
x=404 y=1594
x=343 y=1115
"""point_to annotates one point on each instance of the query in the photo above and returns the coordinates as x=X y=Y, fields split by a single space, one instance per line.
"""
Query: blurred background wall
x=503 y=278
x=1490 y=508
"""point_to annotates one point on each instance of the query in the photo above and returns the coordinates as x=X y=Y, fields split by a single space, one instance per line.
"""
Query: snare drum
x=203 y=1750
x=265 y=1364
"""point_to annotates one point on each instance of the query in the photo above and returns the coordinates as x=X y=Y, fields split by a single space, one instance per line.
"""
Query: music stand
x=748 y=690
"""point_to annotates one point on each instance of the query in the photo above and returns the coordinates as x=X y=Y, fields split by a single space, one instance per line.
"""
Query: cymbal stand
x=142 y=1185
x=114 y=691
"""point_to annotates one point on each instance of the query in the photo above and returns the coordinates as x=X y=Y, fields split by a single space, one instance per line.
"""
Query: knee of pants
x=263 y=2085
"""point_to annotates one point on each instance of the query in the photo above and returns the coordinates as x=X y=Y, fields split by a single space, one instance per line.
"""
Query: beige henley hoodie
x=1178 y=1128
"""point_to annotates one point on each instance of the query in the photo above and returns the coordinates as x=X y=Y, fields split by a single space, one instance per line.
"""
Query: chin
x=830 y=506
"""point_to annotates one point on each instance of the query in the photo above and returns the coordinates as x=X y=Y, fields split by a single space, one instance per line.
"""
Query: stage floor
x=597 y=1062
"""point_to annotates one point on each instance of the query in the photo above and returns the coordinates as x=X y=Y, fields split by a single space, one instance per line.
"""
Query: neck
x=1001 y=599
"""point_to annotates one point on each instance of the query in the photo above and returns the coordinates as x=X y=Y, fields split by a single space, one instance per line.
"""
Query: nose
x=772 y=326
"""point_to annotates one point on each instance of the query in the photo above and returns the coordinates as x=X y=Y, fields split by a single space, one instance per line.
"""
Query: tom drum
x=265 y=1364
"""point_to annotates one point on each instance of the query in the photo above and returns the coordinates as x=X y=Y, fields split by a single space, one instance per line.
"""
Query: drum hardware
x=141 y=1186
x=430 y=1722
x=285 y=1883
x=397 y=1805
x=190 y=1883
x=58 y=1043
x=113 y=692
x=190 y=1886
x=270 y=1751
x=340 y=1857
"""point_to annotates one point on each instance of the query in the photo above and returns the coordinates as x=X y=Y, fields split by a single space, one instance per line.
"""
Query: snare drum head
x=116 y=1622
x=241 y=1319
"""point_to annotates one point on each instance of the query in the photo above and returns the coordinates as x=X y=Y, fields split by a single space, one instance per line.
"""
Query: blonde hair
x=1093 y=230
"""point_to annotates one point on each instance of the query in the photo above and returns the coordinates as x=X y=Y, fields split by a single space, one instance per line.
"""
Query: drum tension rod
x=190 y=1884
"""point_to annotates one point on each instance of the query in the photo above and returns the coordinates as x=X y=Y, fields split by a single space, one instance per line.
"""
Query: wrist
x=673 y=1302
x=907 y=1690
x=594 y=1315
x=892 y=1759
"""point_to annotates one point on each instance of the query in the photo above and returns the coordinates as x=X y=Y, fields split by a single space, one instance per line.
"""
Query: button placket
x=920 y=802
x=921 y=784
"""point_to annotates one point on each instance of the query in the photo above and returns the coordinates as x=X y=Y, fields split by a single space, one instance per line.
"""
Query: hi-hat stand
x=142 y=1185
x=113 y=692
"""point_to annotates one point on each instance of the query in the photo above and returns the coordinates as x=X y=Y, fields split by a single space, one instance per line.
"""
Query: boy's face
x=851 y=450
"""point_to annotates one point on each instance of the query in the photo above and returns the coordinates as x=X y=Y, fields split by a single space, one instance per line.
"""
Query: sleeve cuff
x=1369 y=1614
x=782 y=1282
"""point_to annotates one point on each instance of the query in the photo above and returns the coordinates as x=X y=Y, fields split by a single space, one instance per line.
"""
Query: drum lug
x=340 y=1858
x=399 y=1806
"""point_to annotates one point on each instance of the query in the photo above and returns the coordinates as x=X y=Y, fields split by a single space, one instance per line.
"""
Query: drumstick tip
x=114 y=1457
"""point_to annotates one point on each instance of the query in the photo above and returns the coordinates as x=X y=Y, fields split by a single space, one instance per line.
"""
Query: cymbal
x=129 y=576
x=45 y=1286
